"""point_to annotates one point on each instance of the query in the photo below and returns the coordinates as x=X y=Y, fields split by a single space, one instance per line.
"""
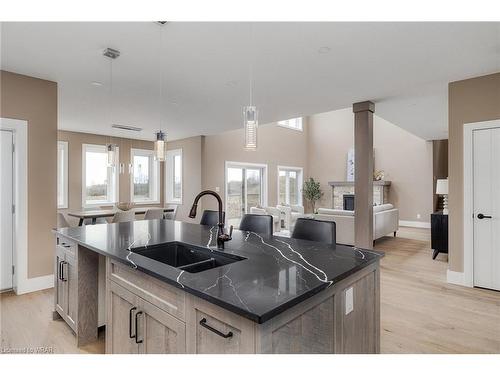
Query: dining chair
x=123 y=216
x=315 y=230
x=61 y=221
x=211 y=217
x=257 y=223
x=171 y=215
x=153 y=214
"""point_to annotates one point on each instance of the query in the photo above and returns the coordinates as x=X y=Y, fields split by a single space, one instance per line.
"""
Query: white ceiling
x=403 y=67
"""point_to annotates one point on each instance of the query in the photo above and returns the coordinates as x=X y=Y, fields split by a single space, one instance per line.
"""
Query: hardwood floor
x=420 y=312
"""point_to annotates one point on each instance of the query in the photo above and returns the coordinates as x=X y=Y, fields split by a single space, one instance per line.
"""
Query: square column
x=363 y=174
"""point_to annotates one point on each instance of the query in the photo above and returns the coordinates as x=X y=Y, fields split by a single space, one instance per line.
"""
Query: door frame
x=468 y=181
x=242 y=165
x=19 y=129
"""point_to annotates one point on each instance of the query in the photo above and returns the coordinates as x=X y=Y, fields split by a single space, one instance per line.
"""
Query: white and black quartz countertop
x=276 y=274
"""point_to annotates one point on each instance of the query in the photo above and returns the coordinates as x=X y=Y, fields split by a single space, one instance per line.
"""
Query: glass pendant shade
x=111 y=149
x=160 y=146
x=251 y=122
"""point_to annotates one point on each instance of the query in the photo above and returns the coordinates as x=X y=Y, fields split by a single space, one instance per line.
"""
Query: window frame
x=169 y=176
x=154 y=167
x=286 y=124
x=113 y=176
x=300 y=182
x=64 y=146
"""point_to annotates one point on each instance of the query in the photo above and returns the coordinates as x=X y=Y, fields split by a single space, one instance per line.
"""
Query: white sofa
x=273 y=211
x=291 y=213
x=385 y=221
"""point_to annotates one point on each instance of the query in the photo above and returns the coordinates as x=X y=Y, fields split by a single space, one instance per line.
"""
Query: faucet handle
x=231 y=231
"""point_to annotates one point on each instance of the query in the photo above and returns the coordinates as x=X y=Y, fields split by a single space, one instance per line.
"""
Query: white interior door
x=486 y=206
x=6 y=214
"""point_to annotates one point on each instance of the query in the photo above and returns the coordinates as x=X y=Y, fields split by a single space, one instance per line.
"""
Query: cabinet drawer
x=212 y=330
x=67 y=246
x=166 y=297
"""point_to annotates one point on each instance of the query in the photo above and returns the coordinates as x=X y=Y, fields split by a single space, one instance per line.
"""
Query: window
x=294 y=123
x=246 y=187
x=99 y=182
x=173 y=175
x=145 y=176
x=290 y=185
x=62 y=174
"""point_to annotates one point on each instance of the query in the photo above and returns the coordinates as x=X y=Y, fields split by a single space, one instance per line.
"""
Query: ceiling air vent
x=126 y=127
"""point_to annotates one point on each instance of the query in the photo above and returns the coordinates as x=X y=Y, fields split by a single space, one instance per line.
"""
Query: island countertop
x=277 y=273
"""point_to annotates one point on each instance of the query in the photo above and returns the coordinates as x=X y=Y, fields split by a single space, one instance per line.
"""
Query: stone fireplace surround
x=339 y=188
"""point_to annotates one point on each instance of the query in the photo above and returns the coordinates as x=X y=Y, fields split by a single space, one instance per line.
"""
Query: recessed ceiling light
x=231 y=83
x=95 y=83
x=324 y=49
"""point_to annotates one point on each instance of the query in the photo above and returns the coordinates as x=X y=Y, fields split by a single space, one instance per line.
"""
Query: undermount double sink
x=189 y=258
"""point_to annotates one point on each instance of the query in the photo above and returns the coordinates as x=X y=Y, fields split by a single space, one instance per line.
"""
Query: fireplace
x=341 y=188
x=348 y=202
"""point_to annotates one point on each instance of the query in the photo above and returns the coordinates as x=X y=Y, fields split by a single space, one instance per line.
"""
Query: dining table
x=93 y=215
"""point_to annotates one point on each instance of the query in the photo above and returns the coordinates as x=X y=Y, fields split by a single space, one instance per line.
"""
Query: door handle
x=203 y=323
x=130 y=323
x=482 y=216
x=59 y=270
x=136 y=326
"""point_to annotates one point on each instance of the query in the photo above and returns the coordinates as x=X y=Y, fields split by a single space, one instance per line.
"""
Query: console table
x=439 y=233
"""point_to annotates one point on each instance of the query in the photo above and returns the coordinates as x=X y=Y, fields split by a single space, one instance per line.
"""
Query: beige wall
x=35 y=100
x=191 y=167
x=277 y=146
x=405 y=159
x=191 y=172
x=471 y=100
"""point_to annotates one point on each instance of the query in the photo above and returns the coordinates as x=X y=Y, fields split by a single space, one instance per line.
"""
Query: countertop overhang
x=277 y=273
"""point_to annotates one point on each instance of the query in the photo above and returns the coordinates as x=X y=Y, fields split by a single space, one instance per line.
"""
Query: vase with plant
x=312 y=192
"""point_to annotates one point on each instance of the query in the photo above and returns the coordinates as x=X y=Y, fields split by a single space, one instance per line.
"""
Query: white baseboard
x=454 y=277
x=414 y=224
x=34 y=284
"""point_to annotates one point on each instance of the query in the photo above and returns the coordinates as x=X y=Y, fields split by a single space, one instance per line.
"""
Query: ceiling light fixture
x=250 y=112
x=112 y=54
x=159 y=148
x=95 y=83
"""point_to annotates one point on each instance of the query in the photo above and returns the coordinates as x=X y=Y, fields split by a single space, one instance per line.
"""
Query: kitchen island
x=169 y=289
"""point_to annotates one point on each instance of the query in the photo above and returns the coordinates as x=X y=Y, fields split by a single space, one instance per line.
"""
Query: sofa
x=273 y=211
x=385 y=221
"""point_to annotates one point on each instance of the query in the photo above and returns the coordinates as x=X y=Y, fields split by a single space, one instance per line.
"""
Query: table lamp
x=442 y=189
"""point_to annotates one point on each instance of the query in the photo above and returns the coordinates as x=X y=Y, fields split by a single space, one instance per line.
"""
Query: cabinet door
x=212 y=330
x=120 y=323
x=159 y=331
x=71 y=282
x=60 y=292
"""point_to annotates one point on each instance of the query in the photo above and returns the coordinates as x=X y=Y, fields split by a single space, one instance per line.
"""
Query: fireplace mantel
x=339 y=188
x=351 y=183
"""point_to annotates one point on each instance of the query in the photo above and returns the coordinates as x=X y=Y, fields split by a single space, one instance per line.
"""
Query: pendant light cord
x=251 y=63
x=161 y=75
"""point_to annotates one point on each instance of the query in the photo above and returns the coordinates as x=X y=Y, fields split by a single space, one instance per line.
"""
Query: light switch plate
x=217 y=189
x=349 y=300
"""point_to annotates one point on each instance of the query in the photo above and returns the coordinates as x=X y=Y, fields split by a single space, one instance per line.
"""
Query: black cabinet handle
x=482 y=216
x=62 y=270
x=136 y=326
x=130 y=323
x=203 y=323
x=59 y=271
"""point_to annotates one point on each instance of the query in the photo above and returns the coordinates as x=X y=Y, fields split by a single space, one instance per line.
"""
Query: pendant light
x=250 y=112
x=160 y=141
x=112 y=54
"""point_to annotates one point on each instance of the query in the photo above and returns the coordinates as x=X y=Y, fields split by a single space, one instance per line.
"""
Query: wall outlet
x=217 y=189
x=419 y=216
x=349 y=300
